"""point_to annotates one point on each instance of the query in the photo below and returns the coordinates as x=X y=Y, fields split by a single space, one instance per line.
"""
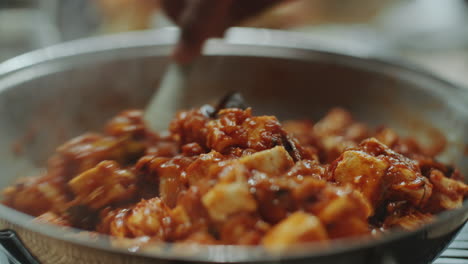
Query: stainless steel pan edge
x=13 y=71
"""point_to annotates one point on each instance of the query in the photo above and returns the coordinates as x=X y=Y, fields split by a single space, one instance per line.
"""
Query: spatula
x=169 y=98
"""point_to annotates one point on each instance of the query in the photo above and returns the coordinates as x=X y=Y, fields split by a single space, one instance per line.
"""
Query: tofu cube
x=225 y=199
x=149 y=218
x=102 y=185
x=299 y=227
x=272 y=161
x=364 y=172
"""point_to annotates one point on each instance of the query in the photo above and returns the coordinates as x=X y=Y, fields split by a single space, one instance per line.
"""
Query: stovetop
x=457 y=252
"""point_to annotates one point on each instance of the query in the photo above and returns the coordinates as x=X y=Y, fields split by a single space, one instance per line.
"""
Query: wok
x=51 y=95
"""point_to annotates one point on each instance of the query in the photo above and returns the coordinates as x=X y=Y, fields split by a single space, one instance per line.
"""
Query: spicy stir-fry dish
x=226 y=176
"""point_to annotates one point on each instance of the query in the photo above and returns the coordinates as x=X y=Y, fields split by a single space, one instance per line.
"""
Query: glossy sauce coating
x=231 y=177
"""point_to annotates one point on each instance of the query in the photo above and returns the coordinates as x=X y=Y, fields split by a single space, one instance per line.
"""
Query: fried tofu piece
x=306 y=168
x=171 y=176
x=278 y=195
x=303 y=136
x=200 y=238
x=357 y=132
x=346 y=204
x=103 y=185
x=225 y=199
x=364 y=172
x=263 y=132
x=190 y=127
x=233 y=128
x=382 y=174
x=335 y=145
x=309 y=189
x=182 y=224
x=106 y=219
x=167 y=175
x=171 y=181
x=35 y=196
x=229 y=196
x=114 y=221
x=273 y=161
x=127 y=123
x=238 y=128
x=403 y=215
x=299 y=227
x=408 y=222
x=342 y=210
x=302 y=130
x=199 y=170
x=448 y=193
x=274 y=196
x=387 y=136
x=243 y=229
x=408 y=185
x=334 y=122
x=85 y=152
x=336 y=132
x=190 y=205
x=192 y=149
x=149 y=218
x=227 y=130
x=52 y=218
x=352 y=227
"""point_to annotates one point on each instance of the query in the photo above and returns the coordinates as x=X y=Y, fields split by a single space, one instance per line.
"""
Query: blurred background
x=432 y=33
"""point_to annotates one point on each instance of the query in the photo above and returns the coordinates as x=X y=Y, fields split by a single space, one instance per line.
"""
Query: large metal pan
x=50 y=95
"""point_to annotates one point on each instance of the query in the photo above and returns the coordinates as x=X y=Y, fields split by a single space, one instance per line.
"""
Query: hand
x=203 y=19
